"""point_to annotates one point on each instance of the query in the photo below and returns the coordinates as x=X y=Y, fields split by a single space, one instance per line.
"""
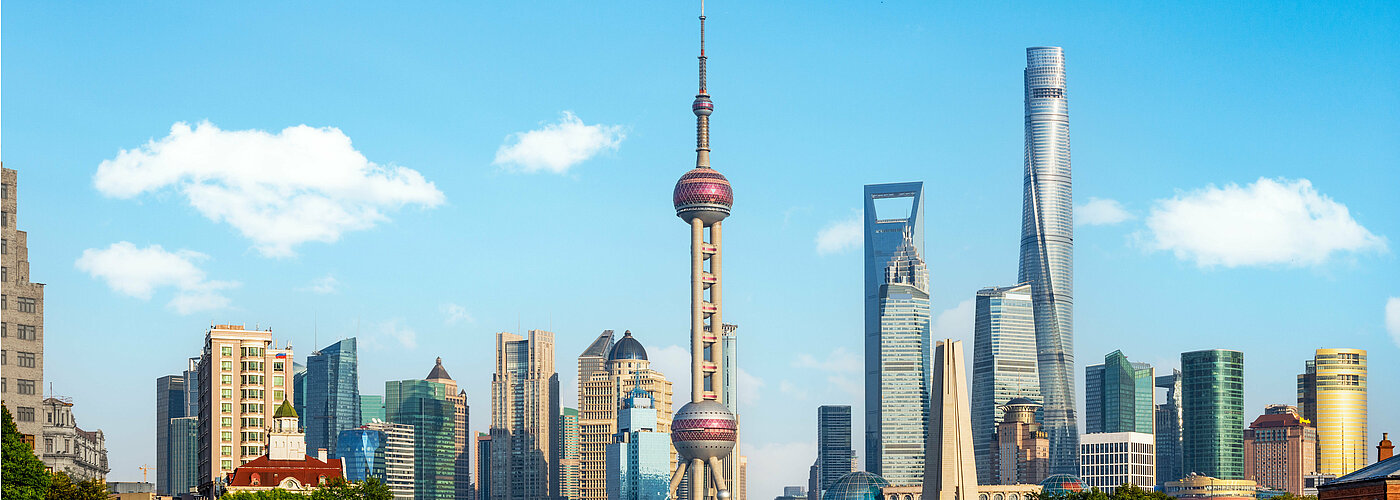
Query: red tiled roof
x=1275 y=420
x=273 y=472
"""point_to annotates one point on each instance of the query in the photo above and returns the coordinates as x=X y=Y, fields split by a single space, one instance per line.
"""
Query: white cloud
x=839 y=236
x=557 y=146
x=955 y=323
x=840 y=360
x=324 y=285
x=397 y=331
x=1272 y=221
x=456 y=314
x=1392 y=318
x=279 y=190
x=775 y=465
x=1100 y=212
x=792 y=390
x=139 y=272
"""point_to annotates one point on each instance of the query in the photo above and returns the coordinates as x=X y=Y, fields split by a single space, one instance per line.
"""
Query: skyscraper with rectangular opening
x=1047 y=248
x=897 y=363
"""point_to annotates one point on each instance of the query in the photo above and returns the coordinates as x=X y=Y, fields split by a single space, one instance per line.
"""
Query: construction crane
x=144 y=468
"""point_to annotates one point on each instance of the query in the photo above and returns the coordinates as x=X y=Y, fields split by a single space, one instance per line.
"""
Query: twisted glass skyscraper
x=1047 y=248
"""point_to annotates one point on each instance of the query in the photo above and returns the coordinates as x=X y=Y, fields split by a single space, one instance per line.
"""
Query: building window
x=4 y=219
x=277 y=380
x=5 y=330
x=226 y=435
x=227 y=380
x=226 y=450
x=226 y=350
x=277 y=366
x=252 y=394
x=226 y=407
x=255 y=479
x=4 y=360
x=226 y=366
x=27 y=304
x=27 y=332
x=226 y=464
x=23 y=386
x=24 y=359
x=277 y=395
x=4 y=385
x=252 y=451
x=48 y=445
x=226 y=393
x=5 y=274
x=5 y=247
x=226 y=422
x=25 y=413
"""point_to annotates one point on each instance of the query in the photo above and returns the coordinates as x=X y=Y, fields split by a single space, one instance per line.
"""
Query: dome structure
x=1059 y=484
x=1021 y=402
x=703 y=193
x=627 y=348
x=858 y=485
x=704 y=430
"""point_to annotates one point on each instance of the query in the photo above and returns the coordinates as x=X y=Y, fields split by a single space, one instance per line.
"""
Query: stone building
x=21 y=388
x=68 y=448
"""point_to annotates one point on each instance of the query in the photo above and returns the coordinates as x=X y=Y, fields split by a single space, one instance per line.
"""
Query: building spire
x=702 y=105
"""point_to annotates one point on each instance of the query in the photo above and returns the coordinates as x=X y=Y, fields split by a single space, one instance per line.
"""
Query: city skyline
x=1341 y=298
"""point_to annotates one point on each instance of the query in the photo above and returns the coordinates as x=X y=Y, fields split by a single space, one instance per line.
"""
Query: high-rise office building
x=639 y=458
x=601 y=394
x=332 y=394
x=461 y=439
x=1212 y=441
x=1047 y=248
x=483 y=466
x=1112 y=459
x=1168 y=433
x=381 y=450
x=524 y=417
x=170 y=403
x=371 y=408
x=424 y=405
x=1019 y=452
x=23 y=325
x=243 y=376
x=705 y=430
x=570 y=469
x=951 y=470
x=298 y=387
x=834 y=453
x=1332 y=394
x=897 y=363
x=1118 y=396
x=1279 y=448
x=1003 y=366
x=182 y=455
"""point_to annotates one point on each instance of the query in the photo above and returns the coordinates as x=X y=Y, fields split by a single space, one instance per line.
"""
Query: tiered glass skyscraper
x=1003 y=365
x=1047 y=248
x=1332 y=394
x=1118 y=396
x=332 y=395
x=424 y=406
x=1212 y=384
x=897 y=363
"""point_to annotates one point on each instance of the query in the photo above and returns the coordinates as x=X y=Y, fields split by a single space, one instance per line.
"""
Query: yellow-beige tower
x=600 y=394
x=243 y=377
x=1332 y=394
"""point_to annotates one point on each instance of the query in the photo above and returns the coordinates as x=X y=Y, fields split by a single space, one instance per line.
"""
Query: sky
x=422 y=176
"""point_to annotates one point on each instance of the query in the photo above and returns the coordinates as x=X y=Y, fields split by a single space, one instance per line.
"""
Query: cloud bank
x=1392 y=319
x=1272 y=221
x=277 y=189
x=558 y=146
x=839 y=236
x=1100 y=212
x=140 y=272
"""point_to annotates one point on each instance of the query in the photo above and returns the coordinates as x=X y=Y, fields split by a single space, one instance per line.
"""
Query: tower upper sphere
x=703 y=193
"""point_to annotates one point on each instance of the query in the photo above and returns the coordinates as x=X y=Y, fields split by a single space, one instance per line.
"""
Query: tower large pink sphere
x=703 y=193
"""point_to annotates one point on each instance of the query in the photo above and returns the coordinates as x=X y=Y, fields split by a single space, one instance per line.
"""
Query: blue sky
x=467 y=224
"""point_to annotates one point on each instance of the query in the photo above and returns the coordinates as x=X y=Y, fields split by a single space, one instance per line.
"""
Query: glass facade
x=639 y=459
x=896 y=332
x=332 y=395
x=1335 y=389
x=170 y=403
x=859 y=485
x=1168 y=431
x=1118 y=396
x=1047 y=248
x=183 y=456
x=361 y=453
x=834 y=453
x=371 y=408
x=1003 y=364
x=424 y=406
x=1212 y=384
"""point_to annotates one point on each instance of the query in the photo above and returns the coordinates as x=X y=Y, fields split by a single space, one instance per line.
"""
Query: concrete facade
x=524 y=418
x=950 y=473
x=600 y=395
x=22 y=386
x=243 y=377
x=67 y=448
x=1111 y=459
x=1279 y=450
x=1019 y=452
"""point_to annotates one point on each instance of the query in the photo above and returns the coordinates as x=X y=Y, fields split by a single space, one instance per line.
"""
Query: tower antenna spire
x=702 y=105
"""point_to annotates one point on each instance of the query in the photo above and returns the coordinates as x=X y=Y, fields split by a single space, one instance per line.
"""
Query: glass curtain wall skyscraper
x=1047 y=248
x=834 y=453
x=1212 y=441
x=1003 y=365
x=1332 y=394
x=423 y=405
x=1118 y=396
x=897 y=362
x=332 y=395
x=1168 y=420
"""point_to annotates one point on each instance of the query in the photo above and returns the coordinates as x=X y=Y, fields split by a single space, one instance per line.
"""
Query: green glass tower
x=424 y=405
x=1212 y=386
x=1118 y=396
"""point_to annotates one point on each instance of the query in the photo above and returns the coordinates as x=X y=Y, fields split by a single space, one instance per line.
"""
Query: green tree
x=62 y=487
x=1124 y=492
x=25 y=476
x=272 y=494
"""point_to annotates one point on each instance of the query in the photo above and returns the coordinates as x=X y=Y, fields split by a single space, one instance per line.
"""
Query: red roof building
x=264 y=473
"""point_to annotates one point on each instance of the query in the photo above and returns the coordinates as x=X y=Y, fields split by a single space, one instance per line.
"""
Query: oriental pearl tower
x=704 y=431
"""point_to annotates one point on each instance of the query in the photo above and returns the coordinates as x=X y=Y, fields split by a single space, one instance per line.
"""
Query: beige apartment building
x=524 y=418
x=22 y=384
x=243 y=376
x=600 y=395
